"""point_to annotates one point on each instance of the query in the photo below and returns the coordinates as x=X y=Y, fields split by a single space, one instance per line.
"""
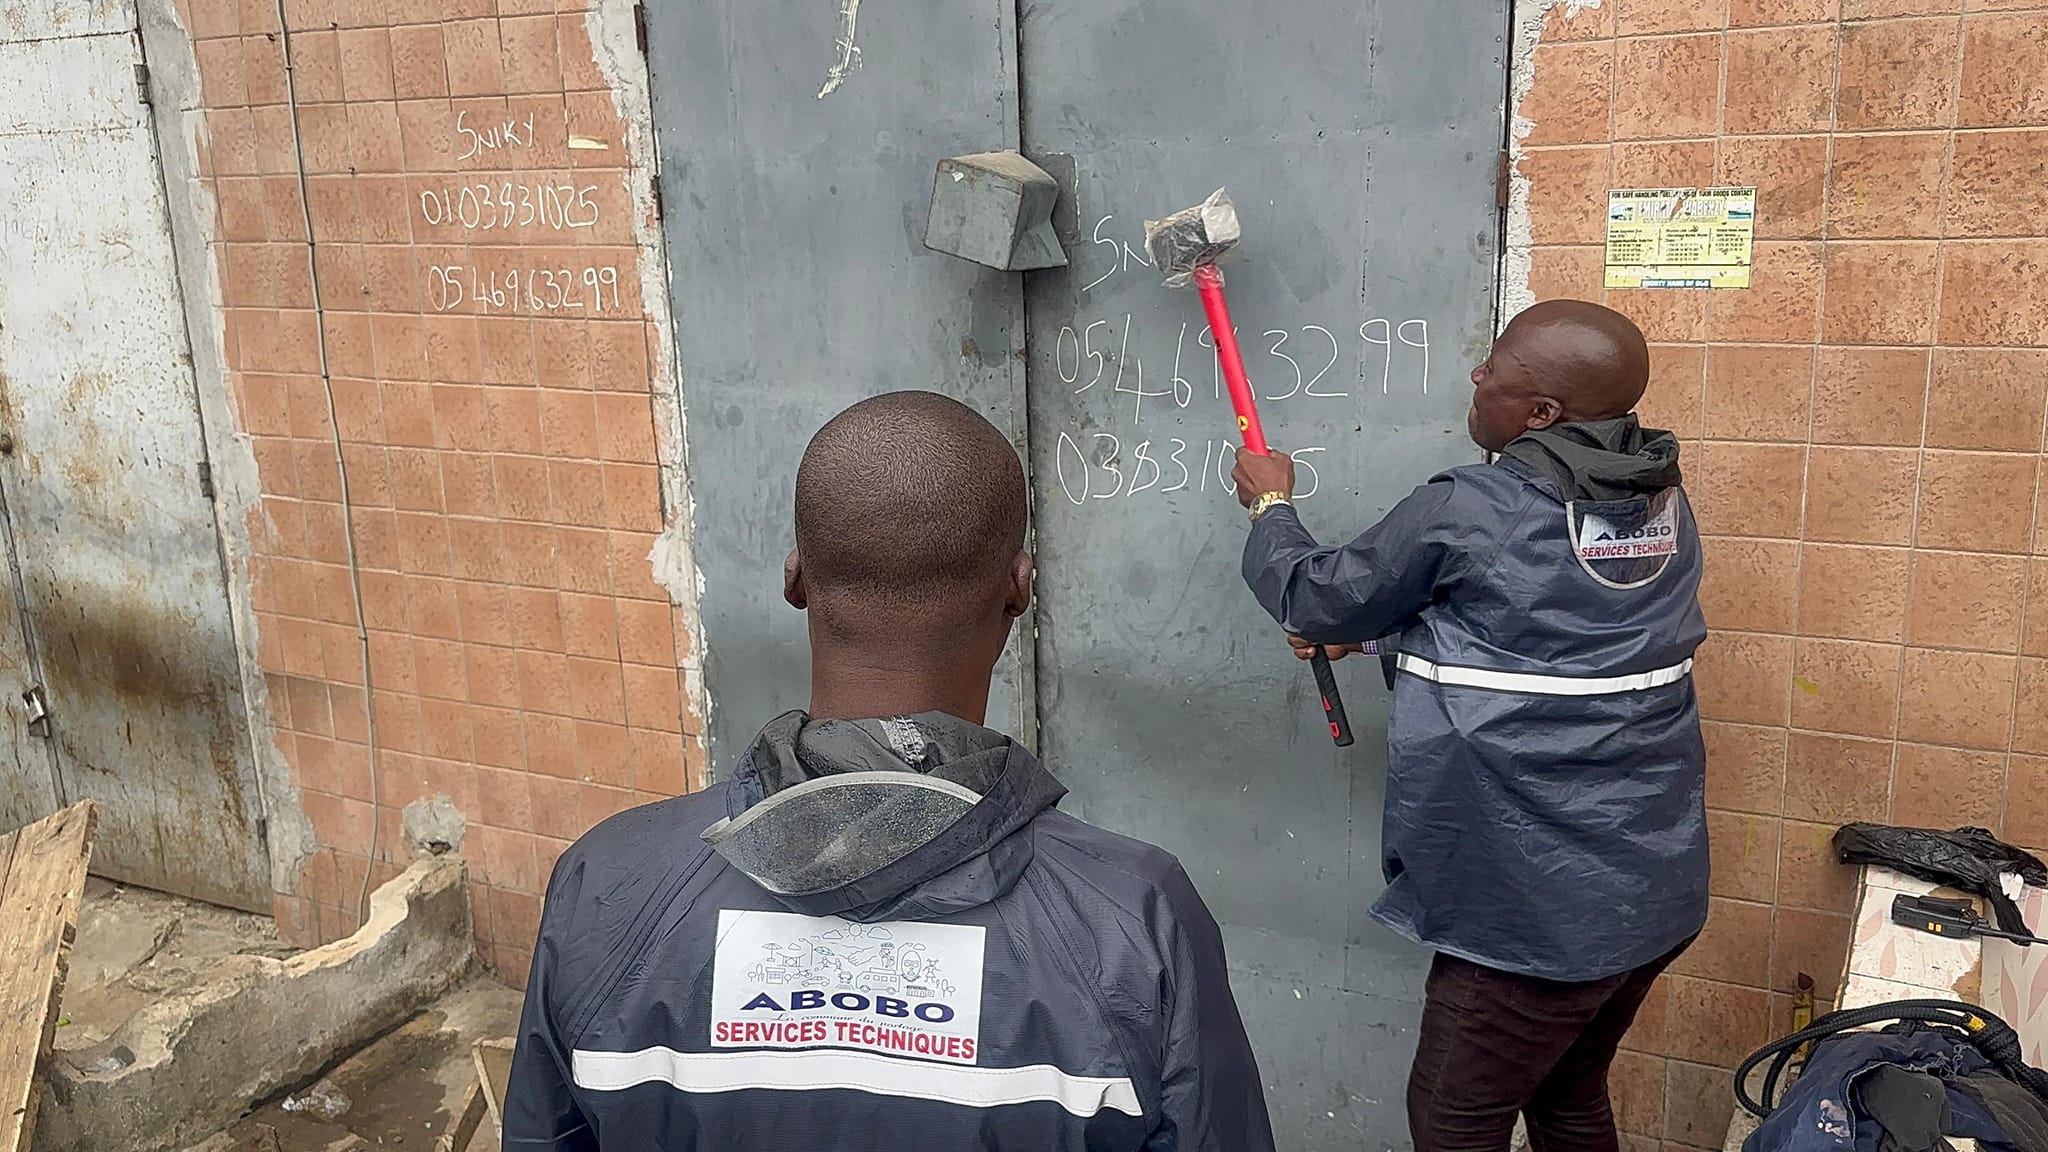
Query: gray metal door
x=798 y=140
x=123 y=589
x=1360 y=142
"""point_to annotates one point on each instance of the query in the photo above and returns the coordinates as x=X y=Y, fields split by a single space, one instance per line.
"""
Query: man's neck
x=846 y=687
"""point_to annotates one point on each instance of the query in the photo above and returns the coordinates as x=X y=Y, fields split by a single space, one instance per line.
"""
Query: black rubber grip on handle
x=1333 y=702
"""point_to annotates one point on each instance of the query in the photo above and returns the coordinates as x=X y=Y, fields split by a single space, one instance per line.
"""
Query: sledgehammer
x=1186 y=246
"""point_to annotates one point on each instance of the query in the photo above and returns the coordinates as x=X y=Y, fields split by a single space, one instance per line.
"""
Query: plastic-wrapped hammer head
x=1192 y=237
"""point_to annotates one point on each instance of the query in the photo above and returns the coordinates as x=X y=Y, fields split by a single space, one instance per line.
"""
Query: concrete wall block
x=188 y=1065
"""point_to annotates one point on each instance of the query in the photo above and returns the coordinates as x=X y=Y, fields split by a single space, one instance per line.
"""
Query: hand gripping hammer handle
x=1210 y=284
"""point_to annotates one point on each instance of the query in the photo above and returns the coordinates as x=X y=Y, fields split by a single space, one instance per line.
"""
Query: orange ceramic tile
x=474 y=57
x=2005 y=71
x=2036 y=640
x=1990 y=292
x=1958 y=698
x=1714 y=1022
x=1745 y=767
x=550 y=751
x=1988 y=398
x=1870 y=396
x=1861 y=495
x=1845 y=687
x=1675 y=399
x=1790 y=174
x=1781 y=304
x=1882 y=9
x=604 y=753
x=590 y=626
x=578 y=488
x=1897 y=74
x=532 y=62
x=416 y=480
x=366 y=64
x=531 y=558
x=316 y=66
x=1748 y=13
x=1636 y=1084
x=1810 y=875
x=1758 y=392
x=419 y=62
x=653 y=698
x=1745 y=852
x=1997 y=184
x=1813 y=943
x=1567 y=187
x=1748 y=489
x=1683 y=99
x=597 y=690
x=1852 y=592
x=1750 y=585
x=1967 y=600
x=1948 y=788
x=1780 y=79
x=2026 y=800
x=1663 y=163
x=493 y=675
x=1745 y=678
x=2030 y=726
x=1887 y=185
x=1726 y=950
x=1975 y=501
x=1880 y=292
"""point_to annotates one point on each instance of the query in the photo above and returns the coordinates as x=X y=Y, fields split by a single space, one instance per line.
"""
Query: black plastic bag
x=1969 y=859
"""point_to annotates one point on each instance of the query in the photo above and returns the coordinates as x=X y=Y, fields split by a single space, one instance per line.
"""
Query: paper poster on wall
x=1680 y=237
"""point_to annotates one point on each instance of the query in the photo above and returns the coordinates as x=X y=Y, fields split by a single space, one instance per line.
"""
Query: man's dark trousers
x=1495 y=1045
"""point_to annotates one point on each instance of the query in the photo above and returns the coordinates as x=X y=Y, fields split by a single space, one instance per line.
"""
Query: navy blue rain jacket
x=1545 y=810
x=1015 y=979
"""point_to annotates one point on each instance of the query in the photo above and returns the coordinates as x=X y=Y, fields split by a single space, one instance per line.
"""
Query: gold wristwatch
x=1266 y=502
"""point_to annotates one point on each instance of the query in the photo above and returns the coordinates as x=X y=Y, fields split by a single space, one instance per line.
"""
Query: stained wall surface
x=1863 y=436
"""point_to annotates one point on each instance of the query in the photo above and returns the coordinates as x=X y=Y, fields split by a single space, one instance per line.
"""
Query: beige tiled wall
x=501 y=444
x=1864 y=435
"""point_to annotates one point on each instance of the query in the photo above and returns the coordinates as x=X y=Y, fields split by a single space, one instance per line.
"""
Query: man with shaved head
x=879 y=933
x=1545 y=827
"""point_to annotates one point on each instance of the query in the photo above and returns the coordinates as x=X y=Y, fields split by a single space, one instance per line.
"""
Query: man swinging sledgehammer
x=1545 y=829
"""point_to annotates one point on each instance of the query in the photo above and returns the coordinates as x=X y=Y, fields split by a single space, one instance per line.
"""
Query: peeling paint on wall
x=615 y=37
x=1530 y=19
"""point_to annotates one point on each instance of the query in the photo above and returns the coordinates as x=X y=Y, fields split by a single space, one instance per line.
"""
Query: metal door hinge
x=206 y=488
x=38 y=711
x=142 y=83
x=655 y=182
x=640 y=26
x=1503 y=180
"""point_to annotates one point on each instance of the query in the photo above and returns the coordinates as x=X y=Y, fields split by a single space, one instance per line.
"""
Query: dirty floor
x=400 y=1093
x=135 y=945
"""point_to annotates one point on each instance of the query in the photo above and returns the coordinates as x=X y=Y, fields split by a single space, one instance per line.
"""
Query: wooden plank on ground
x=494 y=1072
x=463 y=1128
x=42 y=879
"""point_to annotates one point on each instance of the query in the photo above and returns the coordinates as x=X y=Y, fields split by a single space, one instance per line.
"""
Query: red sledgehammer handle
x=1210 y=283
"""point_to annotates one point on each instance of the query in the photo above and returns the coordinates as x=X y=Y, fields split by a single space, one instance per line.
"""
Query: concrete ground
x=400 y=1093
x=134 y=947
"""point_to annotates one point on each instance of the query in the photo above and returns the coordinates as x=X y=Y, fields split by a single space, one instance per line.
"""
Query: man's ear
x=793 y=581
x=1544 y=412
x=1017 y=598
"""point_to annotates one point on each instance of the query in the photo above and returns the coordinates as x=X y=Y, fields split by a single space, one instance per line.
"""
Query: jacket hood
x=907 y=817
x=1600 y=459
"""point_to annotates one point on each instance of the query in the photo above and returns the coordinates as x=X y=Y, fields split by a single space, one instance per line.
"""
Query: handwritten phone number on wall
x=1161 y=471
x=532 y=291
x=1087 y=359
x=484 y=208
